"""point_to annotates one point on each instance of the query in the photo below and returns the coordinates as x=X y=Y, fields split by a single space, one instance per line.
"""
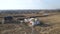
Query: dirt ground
x=51 y=26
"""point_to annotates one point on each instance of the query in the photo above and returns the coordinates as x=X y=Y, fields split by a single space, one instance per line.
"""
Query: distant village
x=26 y=11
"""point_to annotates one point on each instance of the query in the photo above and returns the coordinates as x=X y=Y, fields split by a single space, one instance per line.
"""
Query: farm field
x=51 y=26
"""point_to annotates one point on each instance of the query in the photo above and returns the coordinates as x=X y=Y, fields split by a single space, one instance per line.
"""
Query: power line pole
x=2 y=21
x=32 y=30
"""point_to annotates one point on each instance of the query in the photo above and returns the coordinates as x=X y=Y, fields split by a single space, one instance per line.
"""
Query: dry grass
x=54 y=28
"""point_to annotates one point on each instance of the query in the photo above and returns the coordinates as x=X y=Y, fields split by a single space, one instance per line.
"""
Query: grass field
x=53 y=21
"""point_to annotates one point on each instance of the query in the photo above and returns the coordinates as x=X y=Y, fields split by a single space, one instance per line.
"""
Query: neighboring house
x=33 y=21
x=21 y=19
x=26 y=20
x=8 y=19
x=45 y=14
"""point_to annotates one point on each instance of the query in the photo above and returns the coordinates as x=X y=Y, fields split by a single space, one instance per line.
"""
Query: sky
x=29 y=4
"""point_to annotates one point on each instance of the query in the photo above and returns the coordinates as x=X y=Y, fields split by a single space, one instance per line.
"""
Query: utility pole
x=32 y=29
x=2 y=21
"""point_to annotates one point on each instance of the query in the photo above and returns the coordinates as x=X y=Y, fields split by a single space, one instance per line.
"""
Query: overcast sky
x=29 y=4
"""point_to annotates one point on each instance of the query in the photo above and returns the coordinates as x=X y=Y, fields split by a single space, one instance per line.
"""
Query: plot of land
x=53 y=21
